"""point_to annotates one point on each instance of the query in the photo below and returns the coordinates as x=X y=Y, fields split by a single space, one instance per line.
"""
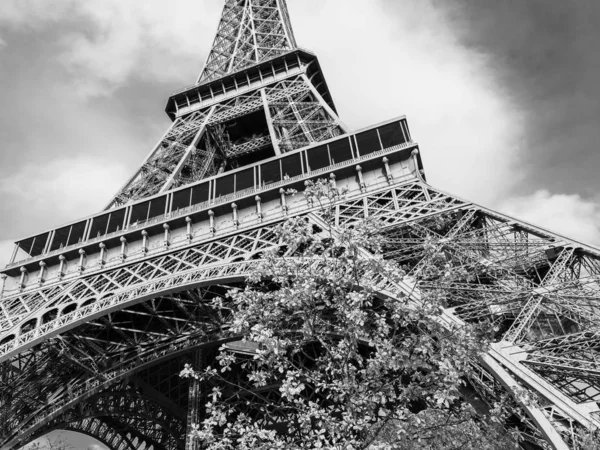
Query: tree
x=339 y=361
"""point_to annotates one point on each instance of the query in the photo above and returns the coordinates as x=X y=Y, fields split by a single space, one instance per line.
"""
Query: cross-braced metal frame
x=98 y=348
x=250 y=31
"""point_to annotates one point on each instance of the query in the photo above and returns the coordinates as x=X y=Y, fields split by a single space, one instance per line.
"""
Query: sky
x=502 y=96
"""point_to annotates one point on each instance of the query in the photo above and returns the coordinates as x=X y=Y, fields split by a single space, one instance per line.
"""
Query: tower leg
x=194 y=405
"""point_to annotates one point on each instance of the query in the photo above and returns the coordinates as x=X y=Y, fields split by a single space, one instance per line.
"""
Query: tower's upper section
x=250 y=31
x=259 y=119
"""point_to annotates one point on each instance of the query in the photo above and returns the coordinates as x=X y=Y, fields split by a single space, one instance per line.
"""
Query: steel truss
x=249 y=32
x=99 y=430
x=296 y=115
x=130 y=420
x=100 y=351
x=506 y=264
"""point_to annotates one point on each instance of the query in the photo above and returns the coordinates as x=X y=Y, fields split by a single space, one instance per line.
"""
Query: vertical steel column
x=270 y=125
x=194 y=404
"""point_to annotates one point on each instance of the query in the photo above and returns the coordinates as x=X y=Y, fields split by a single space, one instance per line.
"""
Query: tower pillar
x=194 y=404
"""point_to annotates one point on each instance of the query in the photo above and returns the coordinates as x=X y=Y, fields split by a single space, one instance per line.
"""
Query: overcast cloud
x=502 y=96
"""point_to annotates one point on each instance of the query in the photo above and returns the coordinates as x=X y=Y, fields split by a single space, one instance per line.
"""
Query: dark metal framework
x=98 y=318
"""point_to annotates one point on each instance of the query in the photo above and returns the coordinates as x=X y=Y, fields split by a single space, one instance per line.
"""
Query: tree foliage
x=338 y=360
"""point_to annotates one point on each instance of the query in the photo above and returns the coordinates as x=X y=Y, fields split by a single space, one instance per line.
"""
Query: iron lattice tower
x=98 y=317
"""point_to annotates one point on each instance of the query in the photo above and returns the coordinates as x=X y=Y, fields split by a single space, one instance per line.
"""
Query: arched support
x=412 y=207
x=102 y=432
x=137 y=418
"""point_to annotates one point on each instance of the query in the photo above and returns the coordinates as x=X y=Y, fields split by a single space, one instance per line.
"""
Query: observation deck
x=385 y=149
x=206 y=94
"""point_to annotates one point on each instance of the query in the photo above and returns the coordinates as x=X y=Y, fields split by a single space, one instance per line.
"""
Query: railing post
x=194 y=404
x=188 y=221
x=23 y=275
x=102 y=254
x=166 y=242
x=144 y=242
x=361 y=180
x=259 y=212
x=61 y=267
x=333 y=180
x=211 y=222
x=42 y=272
x=236 y=221
x=81 y=260
x=388 y=173
x=284 y=206
x=418 y=173
x=123 y=248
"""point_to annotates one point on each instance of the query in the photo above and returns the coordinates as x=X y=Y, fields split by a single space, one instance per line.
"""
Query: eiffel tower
x=98 y=317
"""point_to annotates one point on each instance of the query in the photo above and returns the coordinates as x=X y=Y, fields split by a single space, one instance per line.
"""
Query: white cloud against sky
x=569 y=215
x=108 y=43
x=499 y=98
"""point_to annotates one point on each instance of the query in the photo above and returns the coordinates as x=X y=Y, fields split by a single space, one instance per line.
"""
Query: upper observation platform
x=207 y=93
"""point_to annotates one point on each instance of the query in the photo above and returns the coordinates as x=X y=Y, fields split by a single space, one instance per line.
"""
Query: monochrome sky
x=502 y=96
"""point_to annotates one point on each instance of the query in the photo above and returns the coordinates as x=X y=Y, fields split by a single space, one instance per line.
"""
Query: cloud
x=96 y=447
x=569 y=215
x=2 y=43
x=386 y=59
x=6 y=248
x=70 y=188
x=107 y=43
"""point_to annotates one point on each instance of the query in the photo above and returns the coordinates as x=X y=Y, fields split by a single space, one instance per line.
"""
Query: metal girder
x=195 y=398
x=296 y=115
x=99 y=352
x=240 y=245
x=250 y=31
x=491 y=249
x=129 y=414
x=65 y=387
x=156 y=171
x=300 y=116
x=99 y=430
x=499 y=258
